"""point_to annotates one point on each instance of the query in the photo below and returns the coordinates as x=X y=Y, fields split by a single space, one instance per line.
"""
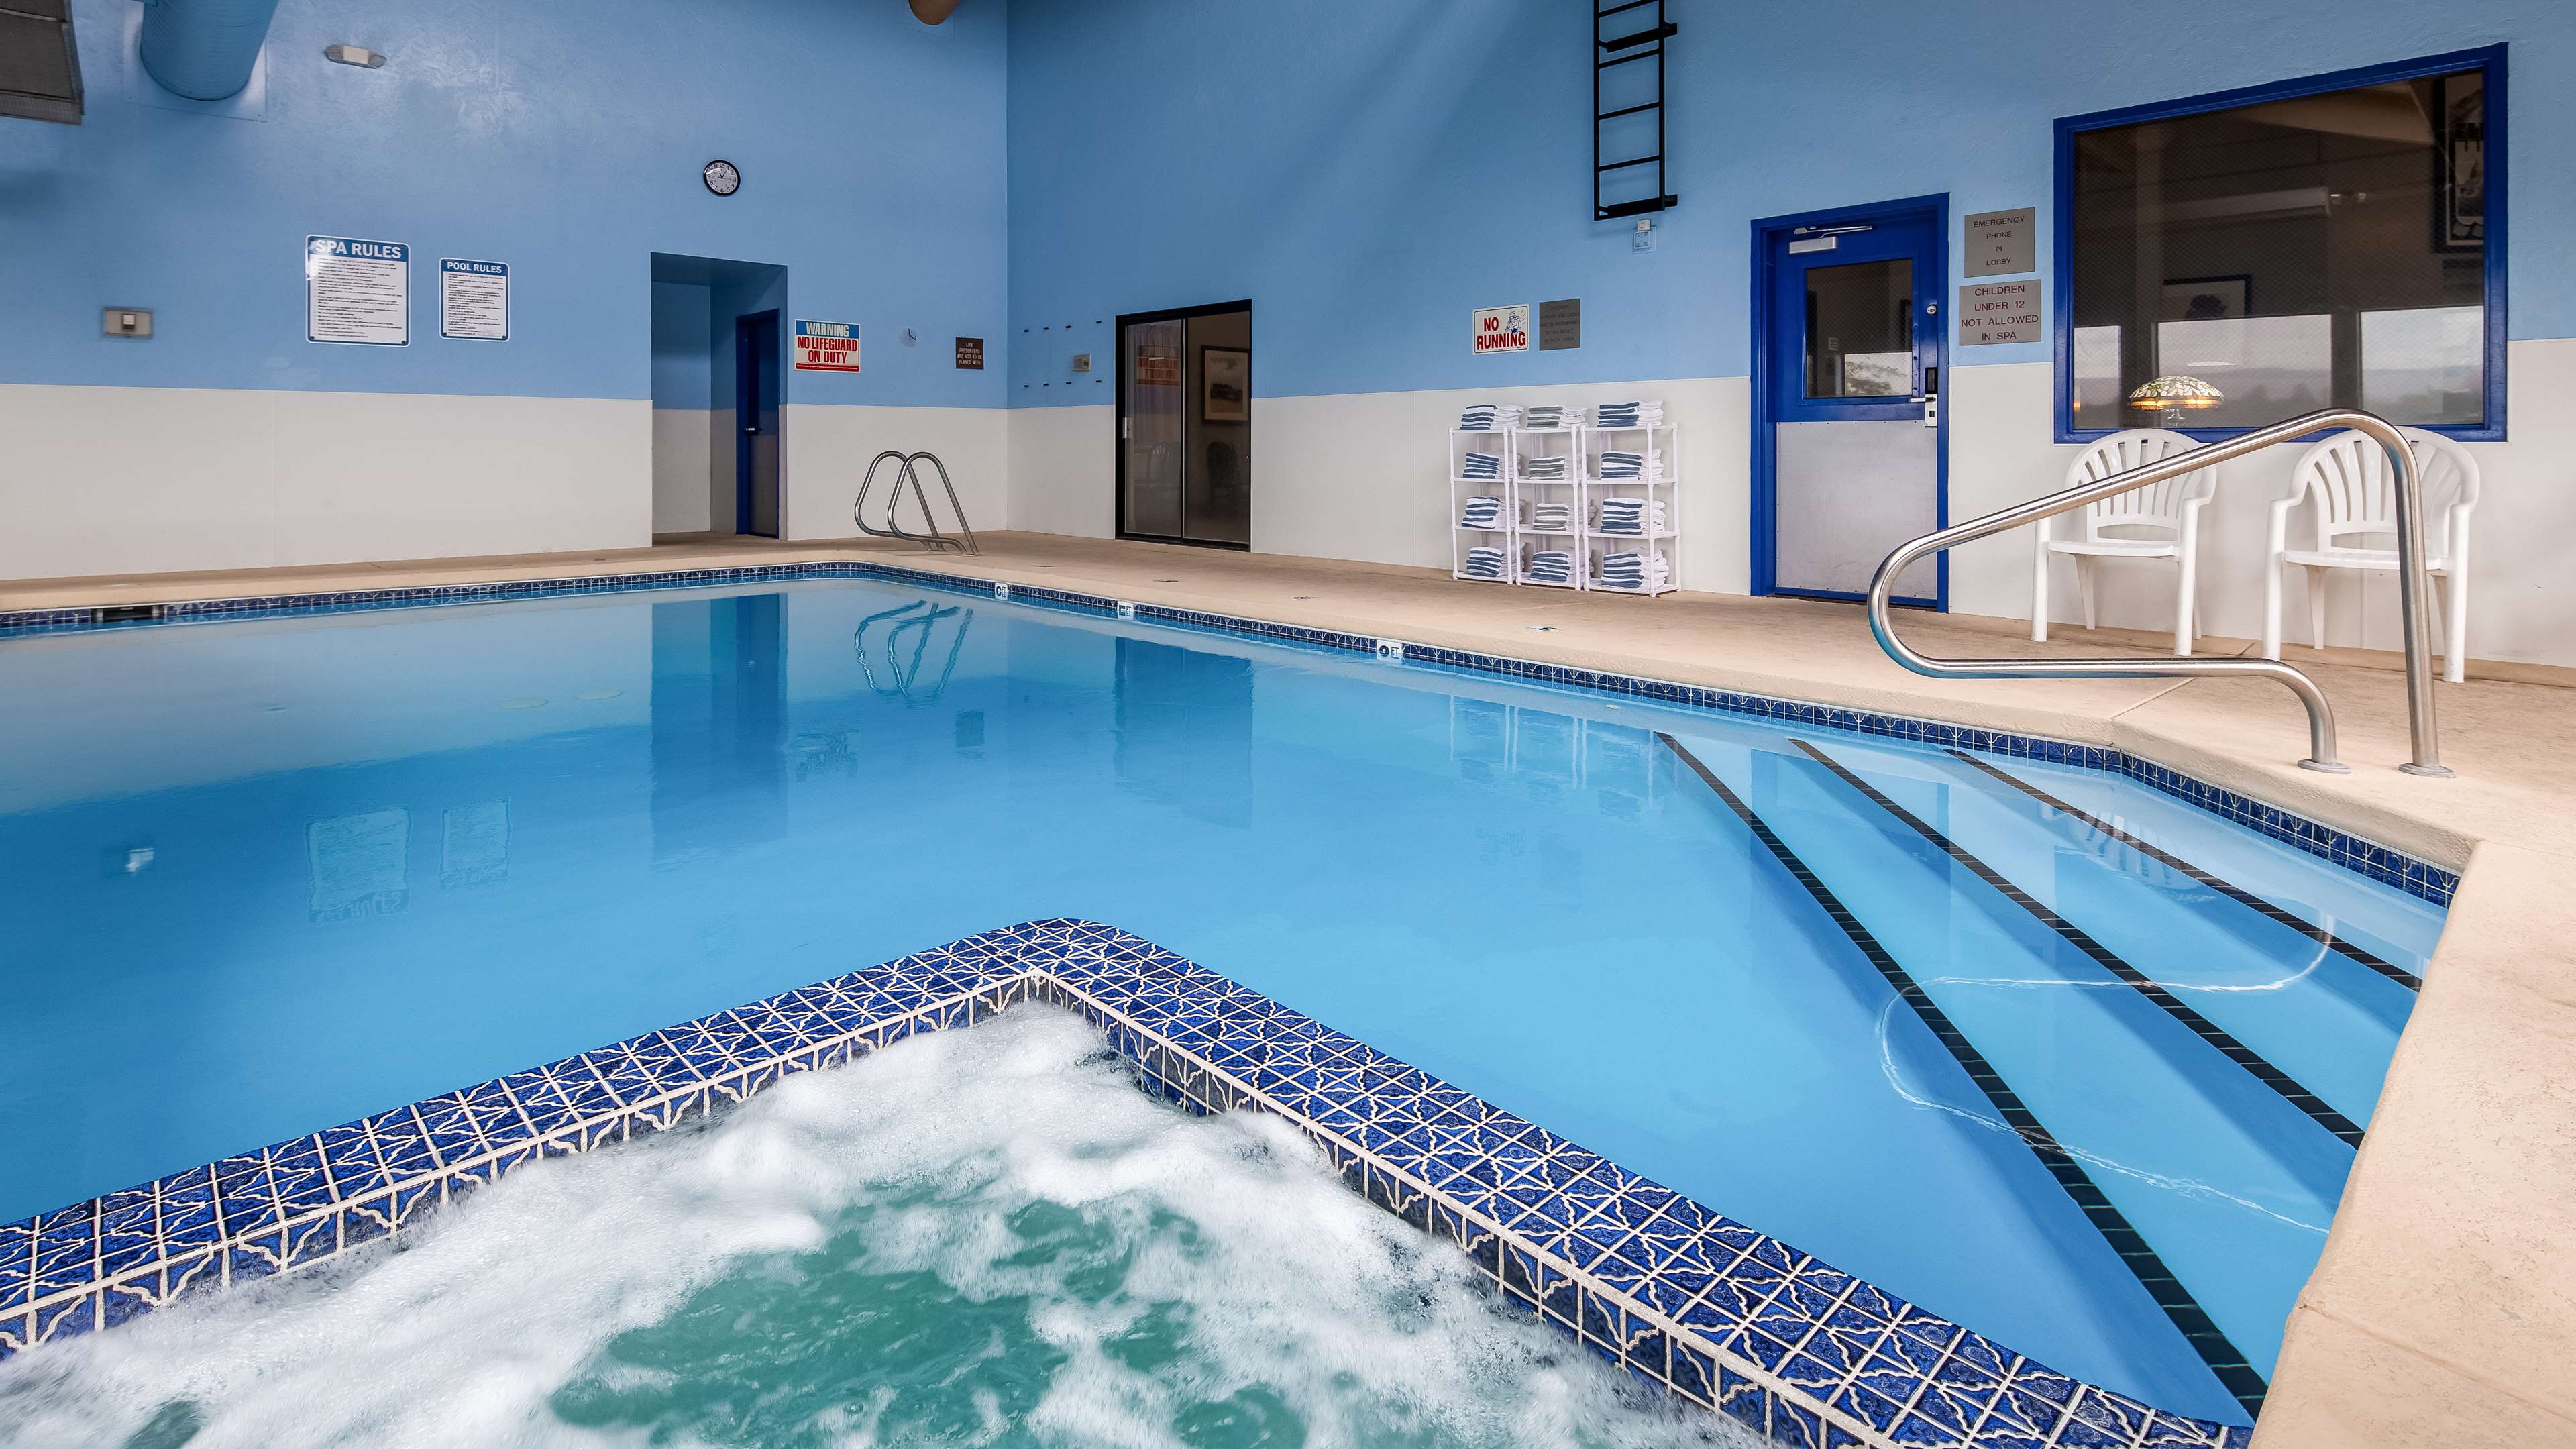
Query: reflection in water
x=476 y=848
x=1184 y=730
x=903 y=641
x=358 y=864
x=719 y=724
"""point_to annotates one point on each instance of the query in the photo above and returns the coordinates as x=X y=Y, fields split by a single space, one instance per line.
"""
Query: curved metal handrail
x=2413 y=592
x=934 y=540
x=953 y=505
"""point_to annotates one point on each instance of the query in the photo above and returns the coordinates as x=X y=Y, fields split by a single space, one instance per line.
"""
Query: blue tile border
x=1725 y=1317
x=2381 y=863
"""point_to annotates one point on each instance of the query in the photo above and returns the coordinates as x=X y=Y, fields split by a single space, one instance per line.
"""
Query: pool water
x=982 y=1237
x=257 y=878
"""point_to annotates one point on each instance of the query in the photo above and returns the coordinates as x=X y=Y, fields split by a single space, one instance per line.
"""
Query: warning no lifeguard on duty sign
x=827 y=346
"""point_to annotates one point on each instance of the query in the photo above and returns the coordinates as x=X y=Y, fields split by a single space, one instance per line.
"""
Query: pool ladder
x=906 y=471
x=2413 y=593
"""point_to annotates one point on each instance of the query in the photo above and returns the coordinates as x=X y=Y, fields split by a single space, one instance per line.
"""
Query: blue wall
x=1370 y=173
x=564 y=138
x=683 y=362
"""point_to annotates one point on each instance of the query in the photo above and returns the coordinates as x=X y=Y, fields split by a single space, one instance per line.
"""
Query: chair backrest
x=2348 y=479
x=2156 y=507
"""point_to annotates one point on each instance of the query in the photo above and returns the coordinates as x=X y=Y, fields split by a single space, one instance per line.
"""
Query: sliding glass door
x=1185 y=426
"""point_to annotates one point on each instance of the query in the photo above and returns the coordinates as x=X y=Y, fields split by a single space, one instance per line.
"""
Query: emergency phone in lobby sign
x=827 y=346
x=1503 y=329
x=357 y=291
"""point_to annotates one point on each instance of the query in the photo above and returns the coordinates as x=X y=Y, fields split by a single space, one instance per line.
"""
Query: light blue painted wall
x=1370 y=173
x=564 y=138
x=682 y=360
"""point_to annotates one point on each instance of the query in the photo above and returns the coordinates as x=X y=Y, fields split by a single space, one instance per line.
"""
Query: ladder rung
x=1634 y=208
x=1641 y=37
x=1626 y=111
x=1624 y=165
x=1632 y=55
x=1616 y=9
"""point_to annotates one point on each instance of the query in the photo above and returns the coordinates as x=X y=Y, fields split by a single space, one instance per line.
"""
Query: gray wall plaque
x=1560 y=324
x=2001 y=243
x=1999 y=312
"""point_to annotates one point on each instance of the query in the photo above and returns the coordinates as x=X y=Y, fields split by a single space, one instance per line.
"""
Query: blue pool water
x=261 y=877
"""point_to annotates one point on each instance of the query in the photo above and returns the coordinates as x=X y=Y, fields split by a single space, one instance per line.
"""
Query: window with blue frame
x=2264 y=253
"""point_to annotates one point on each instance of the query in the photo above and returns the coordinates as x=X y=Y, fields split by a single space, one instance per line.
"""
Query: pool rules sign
x=827 y=347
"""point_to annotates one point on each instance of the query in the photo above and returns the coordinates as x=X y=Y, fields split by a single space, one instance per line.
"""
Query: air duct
x=204 y=49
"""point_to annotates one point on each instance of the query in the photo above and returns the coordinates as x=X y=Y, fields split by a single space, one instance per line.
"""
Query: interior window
x=2311 y=251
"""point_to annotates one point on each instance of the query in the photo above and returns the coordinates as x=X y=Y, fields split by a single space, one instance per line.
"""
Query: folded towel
x=1639 y=571
x=1648 y=414
x=1629 y=515
x=1622 y=463
x=1551 y=566
x=1551 y=517
x=1486 y=417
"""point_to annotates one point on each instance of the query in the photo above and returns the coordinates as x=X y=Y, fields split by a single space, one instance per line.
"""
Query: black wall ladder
x=1633 y=44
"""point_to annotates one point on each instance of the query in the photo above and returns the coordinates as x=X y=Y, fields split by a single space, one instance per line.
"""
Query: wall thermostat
x=722 y=178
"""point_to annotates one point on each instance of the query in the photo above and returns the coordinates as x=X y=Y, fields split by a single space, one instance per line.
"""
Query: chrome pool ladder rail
x=907 y=471
x=2413 y=591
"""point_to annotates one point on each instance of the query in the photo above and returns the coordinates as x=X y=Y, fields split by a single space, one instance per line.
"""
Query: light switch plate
x=125 y=321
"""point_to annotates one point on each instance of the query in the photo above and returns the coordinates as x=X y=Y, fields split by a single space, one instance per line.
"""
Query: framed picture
x=1225 y=385
x=2207 y=299
x=2460 y=162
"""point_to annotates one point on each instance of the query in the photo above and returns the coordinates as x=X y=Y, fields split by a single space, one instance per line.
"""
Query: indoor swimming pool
x=2043 y=1050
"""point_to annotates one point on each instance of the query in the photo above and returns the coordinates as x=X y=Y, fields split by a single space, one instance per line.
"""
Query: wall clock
x=722 y=178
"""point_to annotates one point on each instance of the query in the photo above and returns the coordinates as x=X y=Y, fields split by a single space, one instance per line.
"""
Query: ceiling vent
x=39 y=64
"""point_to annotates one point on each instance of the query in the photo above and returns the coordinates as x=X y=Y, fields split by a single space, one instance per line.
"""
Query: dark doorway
x=1185 y=425
x=755 y=415
x=719 y=379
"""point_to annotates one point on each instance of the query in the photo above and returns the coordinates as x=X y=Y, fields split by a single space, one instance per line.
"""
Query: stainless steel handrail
x=953 y=505
x=934 y=540
x=2413 y=590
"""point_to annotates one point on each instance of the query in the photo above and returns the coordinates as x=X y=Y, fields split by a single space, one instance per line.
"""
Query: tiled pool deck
x=2444 y=1310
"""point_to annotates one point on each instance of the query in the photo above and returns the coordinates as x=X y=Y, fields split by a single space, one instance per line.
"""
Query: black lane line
x=2238 y=894
x=2203 y=1333
x=2110 y=960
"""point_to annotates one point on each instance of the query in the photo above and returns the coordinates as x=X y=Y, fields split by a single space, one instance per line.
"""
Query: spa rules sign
x=1503 y=329
x=827 y=347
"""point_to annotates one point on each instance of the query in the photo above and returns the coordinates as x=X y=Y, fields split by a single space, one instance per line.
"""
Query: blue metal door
x=755 y=413
x=1848 y=427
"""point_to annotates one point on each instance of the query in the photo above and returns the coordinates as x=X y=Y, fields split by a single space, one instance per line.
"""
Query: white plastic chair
x=2160 y=521
x=2349 y=479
